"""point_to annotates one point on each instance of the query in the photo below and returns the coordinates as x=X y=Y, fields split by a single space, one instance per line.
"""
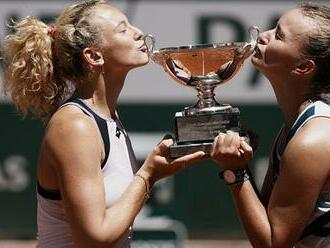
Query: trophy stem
x=206 y=96
x=206 y=100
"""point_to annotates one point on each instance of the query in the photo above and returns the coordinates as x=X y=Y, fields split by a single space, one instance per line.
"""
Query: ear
x=305 y=67
x=92 y=57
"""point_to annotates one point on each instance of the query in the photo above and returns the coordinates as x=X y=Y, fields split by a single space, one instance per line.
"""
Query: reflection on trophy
x=203 y=67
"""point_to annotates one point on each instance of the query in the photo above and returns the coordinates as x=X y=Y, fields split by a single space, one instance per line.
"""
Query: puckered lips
x=142 y=48
x=257 y=53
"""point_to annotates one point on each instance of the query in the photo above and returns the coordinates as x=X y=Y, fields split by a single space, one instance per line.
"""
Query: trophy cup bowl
x=203 y=67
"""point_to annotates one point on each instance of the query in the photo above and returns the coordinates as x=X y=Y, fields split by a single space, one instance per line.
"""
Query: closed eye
x=278 y=33
x=121 y=27
x=277 y=36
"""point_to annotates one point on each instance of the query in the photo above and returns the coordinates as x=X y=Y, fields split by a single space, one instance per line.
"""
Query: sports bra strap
x=304 y=117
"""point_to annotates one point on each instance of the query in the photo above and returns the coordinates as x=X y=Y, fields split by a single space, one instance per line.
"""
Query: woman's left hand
x=231 y=151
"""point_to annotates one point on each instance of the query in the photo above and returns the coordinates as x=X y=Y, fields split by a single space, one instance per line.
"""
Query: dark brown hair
x=318 y=49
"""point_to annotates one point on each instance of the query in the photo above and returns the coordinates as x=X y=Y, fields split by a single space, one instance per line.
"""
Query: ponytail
x=43 y=64
x=29 y=68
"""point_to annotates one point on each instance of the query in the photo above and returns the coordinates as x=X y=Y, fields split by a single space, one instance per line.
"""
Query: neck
x=291 y=98
x=102 y=92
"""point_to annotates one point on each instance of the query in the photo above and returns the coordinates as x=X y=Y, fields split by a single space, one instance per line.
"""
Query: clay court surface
x=188 y=244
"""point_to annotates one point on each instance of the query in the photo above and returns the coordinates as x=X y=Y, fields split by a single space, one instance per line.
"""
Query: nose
x=138 y=34
x=263 y=37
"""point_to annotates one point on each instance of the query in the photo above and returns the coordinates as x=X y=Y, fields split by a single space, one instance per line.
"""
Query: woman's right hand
x=158 y=165
x=231 y=151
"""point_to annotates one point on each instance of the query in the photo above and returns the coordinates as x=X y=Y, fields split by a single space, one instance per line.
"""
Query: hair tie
x=51 y=31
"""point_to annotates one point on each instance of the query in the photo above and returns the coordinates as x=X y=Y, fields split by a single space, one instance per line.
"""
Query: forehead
x=295 y=24
x=106 y=15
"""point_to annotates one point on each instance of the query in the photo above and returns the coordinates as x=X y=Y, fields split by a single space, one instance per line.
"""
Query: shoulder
x=310 y=147
x=69 y=124
x=314 y=134
x=70 y=118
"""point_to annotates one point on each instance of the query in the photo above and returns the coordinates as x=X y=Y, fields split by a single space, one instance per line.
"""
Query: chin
x=142 y=58
x=139 y=64
x=256 y=62
x=143 y=61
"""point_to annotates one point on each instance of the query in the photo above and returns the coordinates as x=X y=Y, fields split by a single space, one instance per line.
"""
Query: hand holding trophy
x=203 y=67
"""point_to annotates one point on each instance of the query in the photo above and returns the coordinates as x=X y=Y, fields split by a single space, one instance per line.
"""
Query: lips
x=257 y=53
x=142 y=48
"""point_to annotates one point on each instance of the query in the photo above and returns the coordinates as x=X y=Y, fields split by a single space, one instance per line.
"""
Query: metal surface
x=203 y=67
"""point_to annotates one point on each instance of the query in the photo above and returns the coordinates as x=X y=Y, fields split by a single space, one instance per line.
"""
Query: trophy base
x=197 y=132
x=200 y=128
x=179 y=150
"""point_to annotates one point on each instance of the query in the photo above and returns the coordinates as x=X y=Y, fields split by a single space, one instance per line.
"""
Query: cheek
x=127 y=56
x=272 y=56
x=279 y=56
x=119 y=54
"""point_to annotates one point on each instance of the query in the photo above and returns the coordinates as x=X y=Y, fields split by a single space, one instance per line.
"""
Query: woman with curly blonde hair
x=90 y=187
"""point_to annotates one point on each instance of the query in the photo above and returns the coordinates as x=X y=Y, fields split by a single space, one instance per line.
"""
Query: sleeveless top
x=118 y=169
x=318 y=239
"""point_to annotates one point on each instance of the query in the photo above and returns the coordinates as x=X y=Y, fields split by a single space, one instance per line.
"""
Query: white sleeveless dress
x=118 y=170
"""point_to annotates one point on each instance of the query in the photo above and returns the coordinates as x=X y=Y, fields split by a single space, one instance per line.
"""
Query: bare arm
x=304 y=170
x=76 y=150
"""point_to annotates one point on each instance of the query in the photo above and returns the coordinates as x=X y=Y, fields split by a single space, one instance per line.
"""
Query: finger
x=236 y=139
x=164 y=145
x=248 y=151
x=190 y=158
x=240 y=152
x=215 y=141
x=218 y=140
x=228 y=139
x=232 y=142
x=236 y=144
x=168 y=136
x=246 y=146
x=232 y=139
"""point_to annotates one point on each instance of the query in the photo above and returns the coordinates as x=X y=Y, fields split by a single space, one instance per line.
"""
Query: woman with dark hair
x=90 y=187
x=293 y=207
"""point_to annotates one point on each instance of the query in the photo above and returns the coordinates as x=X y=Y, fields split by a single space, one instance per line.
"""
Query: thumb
x=168 y=136
x=190 y=158
x=164 y=146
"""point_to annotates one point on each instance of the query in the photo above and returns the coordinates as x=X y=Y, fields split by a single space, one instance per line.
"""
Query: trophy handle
x=152 y=52
x=254 y=34
x=150 y=42
x=250 y=47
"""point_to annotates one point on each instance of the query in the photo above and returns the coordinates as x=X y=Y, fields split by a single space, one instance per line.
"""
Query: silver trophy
x=203 y=67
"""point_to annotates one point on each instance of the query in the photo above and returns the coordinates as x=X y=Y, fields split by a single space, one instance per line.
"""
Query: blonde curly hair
x=42 y=63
